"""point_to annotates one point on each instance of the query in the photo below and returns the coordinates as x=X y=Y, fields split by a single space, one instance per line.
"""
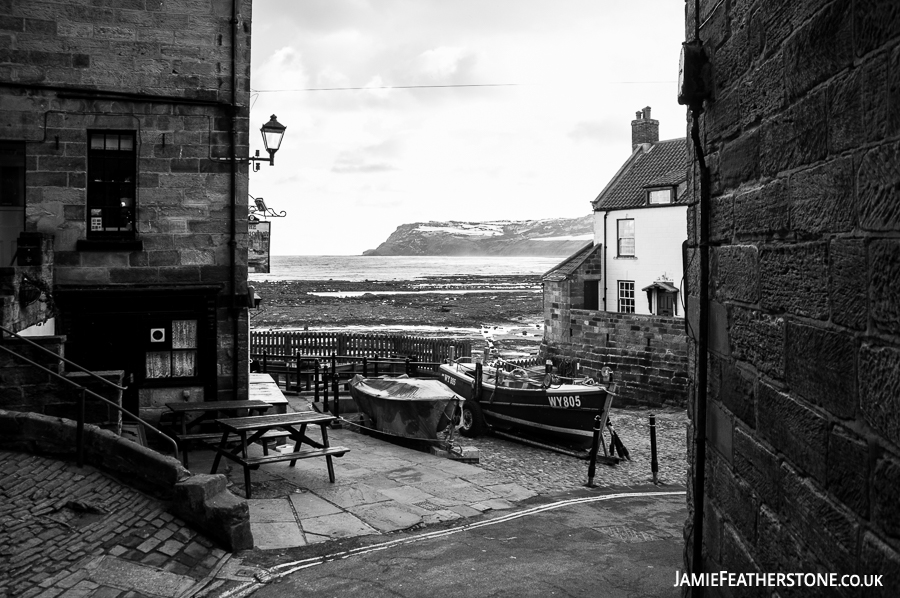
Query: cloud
x=369 y=159
x=602 y=130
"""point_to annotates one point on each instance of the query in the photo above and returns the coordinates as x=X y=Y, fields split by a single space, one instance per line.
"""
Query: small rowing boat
x=407 y=407
x=522 y=401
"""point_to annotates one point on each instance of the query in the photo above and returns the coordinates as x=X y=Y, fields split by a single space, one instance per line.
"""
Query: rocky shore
x=510 y=306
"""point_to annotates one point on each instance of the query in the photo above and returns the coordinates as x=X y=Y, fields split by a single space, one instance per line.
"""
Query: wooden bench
x=244 y=431
x=187 y=430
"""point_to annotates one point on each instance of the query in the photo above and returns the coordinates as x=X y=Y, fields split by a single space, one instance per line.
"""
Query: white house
x=640 y=219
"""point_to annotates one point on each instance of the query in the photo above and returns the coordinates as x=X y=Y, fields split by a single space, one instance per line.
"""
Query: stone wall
x=648 y=354
x=803 y=144
x=163 y=70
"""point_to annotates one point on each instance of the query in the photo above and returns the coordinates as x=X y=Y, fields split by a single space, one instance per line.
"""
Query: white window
x=173 y=351
x=661 y=196
x=626 y=237
x=626 y=296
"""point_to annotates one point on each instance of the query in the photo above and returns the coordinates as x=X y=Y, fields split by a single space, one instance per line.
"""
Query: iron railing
x=79 y=430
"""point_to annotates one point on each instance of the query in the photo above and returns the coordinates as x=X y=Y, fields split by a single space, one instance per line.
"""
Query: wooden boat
x=521 y=401
x=407 y=407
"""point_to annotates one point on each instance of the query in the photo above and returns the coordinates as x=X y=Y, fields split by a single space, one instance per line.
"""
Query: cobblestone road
x=59 y=526
x=545 y=472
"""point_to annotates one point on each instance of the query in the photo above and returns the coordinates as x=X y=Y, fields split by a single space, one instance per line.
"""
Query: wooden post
x=365 y=371
x=297 y=357
x=316 y=374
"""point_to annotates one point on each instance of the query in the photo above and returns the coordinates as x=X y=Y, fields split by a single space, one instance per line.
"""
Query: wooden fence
x=289 y=343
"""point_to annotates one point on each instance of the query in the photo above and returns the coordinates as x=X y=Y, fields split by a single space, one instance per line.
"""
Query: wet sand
x=460 y=306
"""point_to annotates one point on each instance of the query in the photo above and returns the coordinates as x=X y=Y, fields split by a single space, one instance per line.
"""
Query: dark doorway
x=665 y=303
x=591 y=294
x=12 y=198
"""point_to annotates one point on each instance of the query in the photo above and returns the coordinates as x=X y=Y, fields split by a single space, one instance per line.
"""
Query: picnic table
x=248 y=430
x=190 y=417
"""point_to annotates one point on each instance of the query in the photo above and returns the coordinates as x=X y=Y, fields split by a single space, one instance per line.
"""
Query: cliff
x=549 y=237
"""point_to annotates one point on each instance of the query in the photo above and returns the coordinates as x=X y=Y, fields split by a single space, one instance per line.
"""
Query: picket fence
x=289 y=343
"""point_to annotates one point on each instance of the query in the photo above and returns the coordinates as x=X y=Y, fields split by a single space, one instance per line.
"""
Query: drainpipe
x=232 y=242
x=605 y=281
x=702 y=354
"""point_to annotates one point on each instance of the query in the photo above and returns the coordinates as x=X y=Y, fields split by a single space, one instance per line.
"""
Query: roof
x=663 y=286
x=565 y=268
x=662 y=164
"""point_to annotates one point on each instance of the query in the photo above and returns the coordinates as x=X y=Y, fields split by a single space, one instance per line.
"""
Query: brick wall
x=803 y=143
x=647 y=353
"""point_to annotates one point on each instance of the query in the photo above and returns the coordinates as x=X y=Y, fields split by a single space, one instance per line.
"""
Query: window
x=626 y=237
x=626 y=296
x=172 y=350
x=112 y=172
x=660 y=196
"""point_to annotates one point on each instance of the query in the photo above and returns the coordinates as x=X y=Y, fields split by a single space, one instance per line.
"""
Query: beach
x=509 y=306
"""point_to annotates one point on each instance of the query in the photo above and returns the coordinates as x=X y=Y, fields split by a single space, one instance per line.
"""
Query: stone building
x=120 y=195
x=797 y=466
x=616 y=302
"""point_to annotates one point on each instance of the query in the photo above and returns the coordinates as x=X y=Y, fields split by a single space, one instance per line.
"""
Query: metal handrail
x=61 y=358
x=80 y=422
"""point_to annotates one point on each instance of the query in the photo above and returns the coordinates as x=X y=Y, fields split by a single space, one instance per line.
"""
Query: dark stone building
x=800 y=470
x=119 y=122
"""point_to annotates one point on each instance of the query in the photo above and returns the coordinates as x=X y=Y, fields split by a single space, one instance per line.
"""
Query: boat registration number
x=449 y=380
x=565 y=401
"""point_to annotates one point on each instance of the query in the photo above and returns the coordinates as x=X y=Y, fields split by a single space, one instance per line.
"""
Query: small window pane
x=184 y=334
x=660 y=197
x=159 y=364
x=112 y=142
x=97 y=142
x=125 y=143
x=184 y=364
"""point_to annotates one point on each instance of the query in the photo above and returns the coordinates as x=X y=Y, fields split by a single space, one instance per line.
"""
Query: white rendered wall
x=658 y=235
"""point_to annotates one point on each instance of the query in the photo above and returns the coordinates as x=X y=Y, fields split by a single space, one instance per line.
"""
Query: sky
x=356 y=164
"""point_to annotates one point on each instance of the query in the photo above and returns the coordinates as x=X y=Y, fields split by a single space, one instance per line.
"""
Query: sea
x=371 y=267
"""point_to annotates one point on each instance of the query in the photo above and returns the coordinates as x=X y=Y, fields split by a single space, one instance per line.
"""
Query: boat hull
x=564 y=414
x=405 y=407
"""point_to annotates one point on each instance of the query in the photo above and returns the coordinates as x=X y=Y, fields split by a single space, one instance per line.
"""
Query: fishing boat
x=407 y=407
x=518 y=400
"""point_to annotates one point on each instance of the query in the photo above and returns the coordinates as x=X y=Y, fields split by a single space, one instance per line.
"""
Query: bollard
x=316 y=381
x=654 y=466
x=595 y=444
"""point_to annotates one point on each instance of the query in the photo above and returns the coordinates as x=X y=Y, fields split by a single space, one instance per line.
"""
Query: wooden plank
x=257 y=422
x=210 y=406
x=336 y=451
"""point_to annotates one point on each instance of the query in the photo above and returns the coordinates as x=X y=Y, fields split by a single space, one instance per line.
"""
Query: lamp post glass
x=272 y=133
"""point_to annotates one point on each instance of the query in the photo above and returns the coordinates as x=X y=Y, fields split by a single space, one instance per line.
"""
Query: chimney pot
x=644 y=130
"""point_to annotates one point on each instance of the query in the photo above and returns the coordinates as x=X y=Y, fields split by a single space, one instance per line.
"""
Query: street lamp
x=272 y=133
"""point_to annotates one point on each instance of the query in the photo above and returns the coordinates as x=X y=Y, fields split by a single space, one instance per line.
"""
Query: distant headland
x=548 y=237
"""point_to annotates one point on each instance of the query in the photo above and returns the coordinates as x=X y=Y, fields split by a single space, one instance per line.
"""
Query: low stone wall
x=201 y=500
x=648 y=354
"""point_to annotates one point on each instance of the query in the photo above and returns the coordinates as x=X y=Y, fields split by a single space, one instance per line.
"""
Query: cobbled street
x=545 y=472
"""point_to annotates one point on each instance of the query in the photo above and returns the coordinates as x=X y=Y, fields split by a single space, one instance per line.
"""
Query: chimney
x=643 y=129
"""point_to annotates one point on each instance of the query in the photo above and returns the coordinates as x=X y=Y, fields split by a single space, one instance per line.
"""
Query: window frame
x=168 y=346
x=619 y=237
x=98 y=192
x=623 y=299
x=669 y=190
